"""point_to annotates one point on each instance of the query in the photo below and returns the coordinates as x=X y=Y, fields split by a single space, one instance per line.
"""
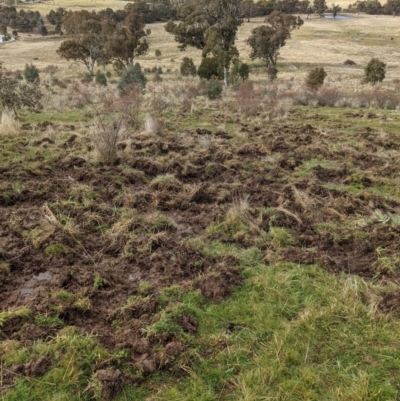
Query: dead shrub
x=105 y=137
x=379 y=97
x=396 y=83
x=133 y=100
x=111 y=113
x=151 y=125
x=385 y=98
x=8 y=125
x=191 y=92
x=364 y=98
x=50 y=69
x=159 y=104
x=78 y=95
x=328 y=96
x=304 y=98
x=345 y=102
x=248 y=99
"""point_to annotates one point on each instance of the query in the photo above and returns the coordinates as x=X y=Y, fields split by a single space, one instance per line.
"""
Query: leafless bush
x=133 y=101
x=379 y=97
x=159 y=104
x=8 y=125
x=278 y=107
x=364 y=98
x=396 y=83
x=78 y=95
x=50 y=69
x=61 y=84
x=304 y=98
x=151 y=125
x=111 y=113
x=190 y=93
x=248 y=99
x=345 y=102
x=328 y=96
x=385 y=98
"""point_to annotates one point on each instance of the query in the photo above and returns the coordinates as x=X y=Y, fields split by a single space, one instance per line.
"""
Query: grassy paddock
x=319 y=42
x=212 y=186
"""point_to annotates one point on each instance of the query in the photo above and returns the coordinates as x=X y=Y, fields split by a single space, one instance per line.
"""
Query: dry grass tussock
x=9 y=125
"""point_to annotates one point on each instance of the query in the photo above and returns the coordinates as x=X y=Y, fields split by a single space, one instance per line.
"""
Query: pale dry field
x=320 y=42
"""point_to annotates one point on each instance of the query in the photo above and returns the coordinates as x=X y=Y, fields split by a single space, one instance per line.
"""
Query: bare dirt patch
x=96 y=246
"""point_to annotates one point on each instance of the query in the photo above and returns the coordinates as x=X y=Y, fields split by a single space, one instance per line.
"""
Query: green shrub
x=239 y=70
x=210 y=67
x=244 y=71
x=212 y=89
x=375 y=71
x=315 y=78
x=101 y=79
x=157 y=53
x=131 y=77
x=188 y=67
x=31 y=73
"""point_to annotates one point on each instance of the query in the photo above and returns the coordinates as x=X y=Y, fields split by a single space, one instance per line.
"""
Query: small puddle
x=341 y=17
x=43 y=276
x=26 y=292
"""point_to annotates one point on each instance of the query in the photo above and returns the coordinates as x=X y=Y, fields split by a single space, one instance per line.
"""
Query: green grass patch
x=72 y=356
x=299 y=333
x=68 y=117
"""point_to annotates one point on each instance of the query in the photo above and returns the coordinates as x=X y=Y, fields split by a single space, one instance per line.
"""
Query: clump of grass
x=51 y=321
x=4 y=268
x=64 y=295
x=167 y=182
x=82 y=303
x=167 y=322
x=9 y=125
x=71 y=355
x=238 y=219
x=281 y=237
x=145 y=288
x=100 y=282
x=6 y=315
x=56 y=250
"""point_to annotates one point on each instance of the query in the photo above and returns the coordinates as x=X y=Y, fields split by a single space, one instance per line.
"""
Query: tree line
x=109 y=37
x=374 y=7
x=22 y=20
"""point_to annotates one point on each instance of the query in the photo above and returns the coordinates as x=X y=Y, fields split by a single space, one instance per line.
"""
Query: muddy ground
x=94 y=246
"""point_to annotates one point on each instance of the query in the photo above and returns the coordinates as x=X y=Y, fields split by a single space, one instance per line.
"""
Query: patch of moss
x=56 y=250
